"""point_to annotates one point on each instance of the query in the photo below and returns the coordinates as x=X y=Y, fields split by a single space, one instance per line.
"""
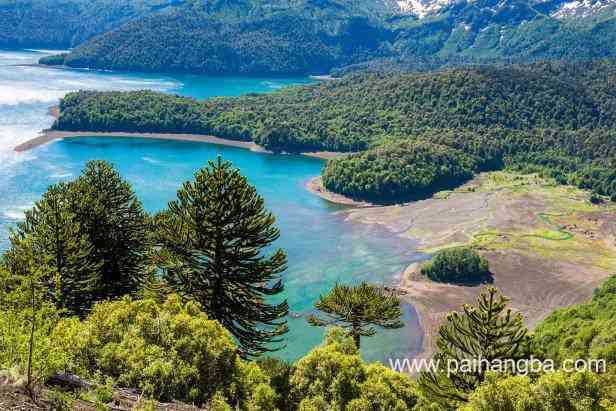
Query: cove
x=322 y=247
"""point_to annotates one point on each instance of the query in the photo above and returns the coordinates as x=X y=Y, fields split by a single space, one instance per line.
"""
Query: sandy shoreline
x=315 y=186
x=47 y=136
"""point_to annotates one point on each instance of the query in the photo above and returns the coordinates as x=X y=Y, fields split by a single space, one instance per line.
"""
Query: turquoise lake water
x=322 y=247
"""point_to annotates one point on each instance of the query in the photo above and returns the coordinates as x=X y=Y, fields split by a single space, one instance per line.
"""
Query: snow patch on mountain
x=422 y=8
x=582 y=8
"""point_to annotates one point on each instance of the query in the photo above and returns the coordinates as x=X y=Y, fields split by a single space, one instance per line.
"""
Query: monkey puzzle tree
x=213 y=237
x=469 y=343
x=51 y=237
x=91 y=235
x=358 y=309
x=109 y=213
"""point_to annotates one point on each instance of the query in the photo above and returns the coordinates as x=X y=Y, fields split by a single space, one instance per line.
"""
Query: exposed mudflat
x=547 y=246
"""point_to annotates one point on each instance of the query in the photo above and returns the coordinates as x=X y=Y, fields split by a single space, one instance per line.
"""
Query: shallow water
x=322 y=247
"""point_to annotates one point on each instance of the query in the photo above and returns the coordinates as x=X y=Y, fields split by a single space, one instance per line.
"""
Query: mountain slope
x=67 y=23
x=316 y=36
x=237 y=40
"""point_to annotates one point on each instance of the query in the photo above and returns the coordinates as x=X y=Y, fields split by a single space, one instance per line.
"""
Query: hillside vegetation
x=308 y=37
x=67 y=23
x=101 y=299
x=581 y=331
x=399 y=171
x=195 y=40
x=553 y=118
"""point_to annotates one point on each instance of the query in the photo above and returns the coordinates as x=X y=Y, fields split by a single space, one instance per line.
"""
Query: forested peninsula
x=409 y=134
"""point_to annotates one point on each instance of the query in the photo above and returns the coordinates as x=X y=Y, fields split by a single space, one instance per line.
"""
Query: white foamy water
x=27 y=92
x=13 y=95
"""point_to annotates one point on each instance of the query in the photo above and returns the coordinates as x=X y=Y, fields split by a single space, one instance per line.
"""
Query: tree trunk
x=31 y=342
x=356 y=336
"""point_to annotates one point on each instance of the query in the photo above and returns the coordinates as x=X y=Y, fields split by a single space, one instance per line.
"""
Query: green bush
x=560 y=391
x=333 y=377
x=457 y=265
x=52 y=334
x=595 y=198
x=279 y=373
x=168 y=351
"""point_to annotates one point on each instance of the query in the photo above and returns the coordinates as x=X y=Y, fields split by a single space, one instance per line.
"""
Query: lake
x=322 y=247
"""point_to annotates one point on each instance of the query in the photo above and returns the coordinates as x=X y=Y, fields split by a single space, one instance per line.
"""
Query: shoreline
x=315 y=186
x=49 y=135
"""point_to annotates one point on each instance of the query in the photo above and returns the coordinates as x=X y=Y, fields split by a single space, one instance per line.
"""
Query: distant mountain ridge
x=283 y=37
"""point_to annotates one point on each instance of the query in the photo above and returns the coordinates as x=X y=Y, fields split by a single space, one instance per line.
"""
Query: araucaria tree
x=358 y=310
x=51 y=237
x=90 y=235
x=112 y=217
x=471 y=343
x=213 y=239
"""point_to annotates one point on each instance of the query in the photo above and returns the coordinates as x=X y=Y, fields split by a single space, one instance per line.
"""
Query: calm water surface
x=322 y=247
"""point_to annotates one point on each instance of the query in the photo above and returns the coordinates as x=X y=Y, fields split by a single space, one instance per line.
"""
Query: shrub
x=22 y=302
x=457 y=265
x=552 y=391
x=48 y=356
x=595 y=198
x=334 y=377
x=168 y=350
x=279 y=373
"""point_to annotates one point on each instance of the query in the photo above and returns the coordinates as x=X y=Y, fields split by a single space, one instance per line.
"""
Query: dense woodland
x=401 y=171
x=97 y=295
x=286 y=44
x=68 y=23
x=554 y=118
x=457 y=265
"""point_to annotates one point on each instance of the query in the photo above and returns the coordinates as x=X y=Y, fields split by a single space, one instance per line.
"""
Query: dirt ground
x=547 y=246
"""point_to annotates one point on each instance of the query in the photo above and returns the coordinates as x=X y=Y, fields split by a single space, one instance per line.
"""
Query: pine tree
x=358 y=309
x=469 y=342
x=50 y=235
x=212 y=238
x=109 y=213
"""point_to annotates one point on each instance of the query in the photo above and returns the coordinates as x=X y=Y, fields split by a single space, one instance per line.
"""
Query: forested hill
x=549 y=115
x=348 y=114
x=316 y=36
x=67 y=23
x=193 y=39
